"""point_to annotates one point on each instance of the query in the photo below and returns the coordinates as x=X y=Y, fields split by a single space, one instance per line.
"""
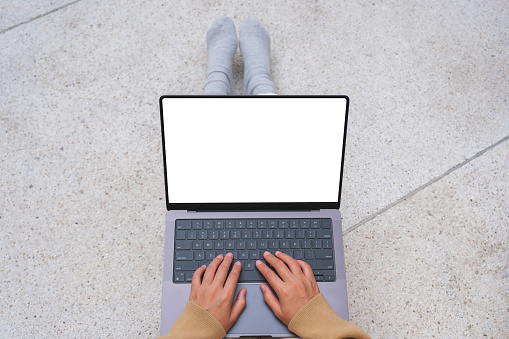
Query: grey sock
x=255 y=47
x=221 y=47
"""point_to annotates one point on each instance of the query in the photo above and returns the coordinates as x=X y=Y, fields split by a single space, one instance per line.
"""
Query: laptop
x=246 y=174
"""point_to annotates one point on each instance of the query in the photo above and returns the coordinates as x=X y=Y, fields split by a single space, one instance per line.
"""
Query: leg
x=221 y=47
x=255 y=48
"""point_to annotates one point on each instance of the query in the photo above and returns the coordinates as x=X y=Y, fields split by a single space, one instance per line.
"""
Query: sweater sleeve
x=317 y=319
x=195 y=323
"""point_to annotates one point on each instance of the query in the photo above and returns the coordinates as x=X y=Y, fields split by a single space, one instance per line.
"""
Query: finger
x=233 y=278
x=222 y=270
x=290 y=262
x=196 y=281
x=271 y=300
x=238 y=305
x=280 y=266
x=211 y=270
x=306 y=269
x=269 y=275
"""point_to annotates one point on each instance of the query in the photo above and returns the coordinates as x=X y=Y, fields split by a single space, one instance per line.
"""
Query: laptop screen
x=253 y=151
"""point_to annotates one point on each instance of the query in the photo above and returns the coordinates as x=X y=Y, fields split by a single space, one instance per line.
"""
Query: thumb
x=272 y=301
x=238 y=305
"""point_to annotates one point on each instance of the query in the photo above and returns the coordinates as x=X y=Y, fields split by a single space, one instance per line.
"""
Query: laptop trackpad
x=257 y=318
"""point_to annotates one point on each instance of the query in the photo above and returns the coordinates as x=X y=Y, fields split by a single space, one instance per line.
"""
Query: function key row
x=209 y=224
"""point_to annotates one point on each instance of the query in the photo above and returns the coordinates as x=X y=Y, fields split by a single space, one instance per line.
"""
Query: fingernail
x=266 y=253
x=203 y=266
x=258 y=262
x=229 y=255
x=263 y=287
x=219 y=256
x=237 y=263
x=277 y=252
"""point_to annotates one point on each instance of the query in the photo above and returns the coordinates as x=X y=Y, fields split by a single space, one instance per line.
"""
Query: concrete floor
x=426 y=183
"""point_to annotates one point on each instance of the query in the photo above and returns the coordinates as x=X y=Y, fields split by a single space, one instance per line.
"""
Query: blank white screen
x=249 y=150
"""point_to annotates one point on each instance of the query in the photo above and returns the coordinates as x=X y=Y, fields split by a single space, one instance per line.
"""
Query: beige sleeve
x=317 y=319
x=195 y=323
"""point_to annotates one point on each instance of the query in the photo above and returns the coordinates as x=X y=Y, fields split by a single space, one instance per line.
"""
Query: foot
x=255 y=49
x=221 y=47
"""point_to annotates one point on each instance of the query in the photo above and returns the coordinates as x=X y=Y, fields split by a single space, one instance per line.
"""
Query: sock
x=255 y=47
x=221 y=47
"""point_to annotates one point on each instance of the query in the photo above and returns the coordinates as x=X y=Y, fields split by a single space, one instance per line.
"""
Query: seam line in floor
x=39 y=16
x=420 y=188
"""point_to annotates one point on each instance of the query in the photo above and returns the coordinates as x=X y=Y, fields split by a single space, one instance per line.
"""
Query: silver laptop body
x=260 y=142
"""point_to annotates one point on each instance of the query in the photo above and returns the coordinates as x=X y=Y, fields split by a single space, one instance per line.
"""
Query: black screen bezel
x=251 y=206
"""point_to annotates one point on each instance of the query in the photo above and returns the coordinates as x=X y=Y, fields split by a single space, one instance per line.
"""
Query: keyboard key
x=278 y=234
x=262 y=223
x=324 y=254
x=210 y=255
x=179 y=277
x=294 y=244
x=273 y=244
x=283 y=223
x=267 y=234
x=316 y=223
x=189 y=276
x=326 y=223
x=251 y=224
x=254 y=255
x=183 y=224
x=305 y=243
x=304 y=223
x=240 y=224
x=289 y=234
x=182 y=245
x=322 y=264
x=229 y=244
x=248 y=276
x=219 y=224
x=181 y=235
x=316 y=244
x=191 y=235
x=213 y=235
x=298 y=254
x=197 y=224
x=262 y=244
x=330 y=278
x=199 y=255
x=241 y=244
x=246 y=234
x=197 y=245
x=299 y=234
x=324 y=234
x=184 y=255
x=224 y=234
x=185 y=266
x=251 y=244
x=208 y=245
x=242 y=255
x=272 y=223
x=319 y=278
x=294 y=223
x=230 y=224
x=257 y=234
x=208 y=224
x=202 y=235
x=284 y=244
x=309 y=254
x=327 y=243
x=249 y=266
x=310 y=234
x=219 y=244
x=235 y=234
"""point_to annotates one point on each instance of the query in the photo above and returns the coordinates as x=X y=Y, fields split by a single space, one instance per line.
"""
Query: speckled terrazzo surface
x=425 y=195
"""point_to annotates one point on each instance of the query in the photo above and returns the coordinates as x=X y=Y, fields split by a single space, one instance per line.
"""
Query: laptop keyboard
x=199 y=241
